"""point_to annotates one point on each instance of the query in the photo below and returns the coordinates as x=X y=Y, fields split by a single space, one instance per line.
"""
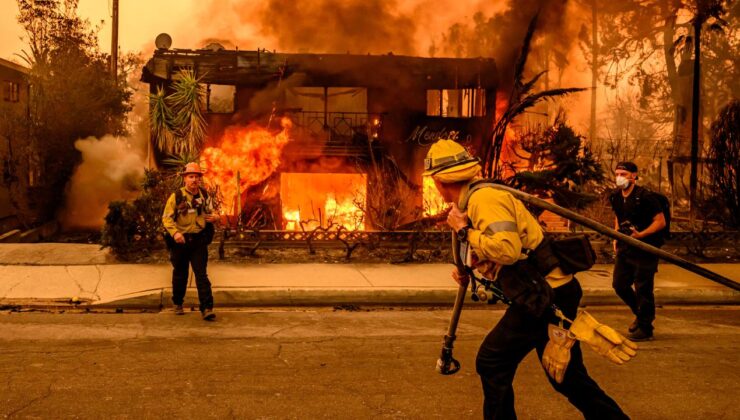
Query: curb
x=261 y=297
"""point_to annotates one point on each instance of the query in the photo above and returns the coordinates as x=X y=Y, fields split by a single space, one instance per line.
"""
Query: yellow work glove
x=603 y=339
x=556 y=356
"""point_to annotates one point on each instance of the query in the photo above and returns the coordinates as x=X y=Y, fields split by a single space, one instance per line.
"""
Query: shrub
x=133 y=229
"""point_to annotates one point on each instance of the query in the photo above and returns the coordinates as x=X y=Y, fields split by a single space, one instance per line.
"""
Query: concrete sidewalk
x=29 y=276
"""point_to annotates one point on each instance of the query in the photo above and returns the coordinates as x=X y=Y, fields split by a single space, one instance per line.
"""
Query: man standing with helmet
x=502 y=239
x=640 y=215
x=188 y=221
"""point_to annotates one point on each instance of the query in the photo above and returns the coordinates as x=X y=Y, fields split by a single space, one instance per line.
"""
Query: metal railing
x=421 y=240
x=340 y=125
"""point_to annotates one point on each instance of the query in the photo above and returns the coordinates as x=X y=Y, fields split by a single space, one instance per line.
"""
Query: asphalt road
x=321 y=363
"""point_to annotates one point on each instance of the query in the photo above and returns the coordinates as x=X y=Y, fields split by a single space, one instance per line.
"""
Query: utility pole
x=114 y=43
x=594 y=71
x=696 y=104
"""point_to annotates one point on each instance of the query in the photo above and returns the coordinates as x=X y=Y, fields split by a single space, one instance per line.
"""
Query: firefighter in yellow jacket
x=188 y=221
x=501 y=234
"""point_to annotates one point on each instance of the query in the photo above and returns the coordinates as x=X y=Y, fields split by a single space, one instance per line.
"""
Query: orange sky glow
x=189 y=22
x=140 y=22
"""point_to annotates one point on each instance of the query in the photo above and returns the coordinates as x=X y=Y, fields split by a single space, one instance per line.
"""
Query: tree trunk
x=695 y=104
x=594 y=70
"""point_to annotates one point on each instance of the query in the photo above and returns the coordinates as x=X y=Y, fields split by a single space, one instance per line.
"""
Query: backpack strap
x=475 y=186
x=179 y=197
x=614 y=196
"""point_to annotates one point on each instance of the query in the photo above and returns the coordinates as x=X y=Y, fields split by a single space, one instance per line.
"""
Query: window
x=220 y=99
x=11 y=91
x=343 y=110
x=331 y=99
x=456 y=103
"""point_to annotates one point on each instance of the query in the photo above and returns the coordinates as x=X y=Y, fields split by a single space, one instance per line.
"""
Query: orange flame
x=311 y=200
x=252 y=151
x=507 y=153
x=433 y=202
x=344 y=213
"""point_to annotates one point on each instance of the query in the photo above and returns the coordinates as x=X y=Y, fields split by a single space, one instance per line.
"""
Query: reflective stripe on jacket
x=502 y=227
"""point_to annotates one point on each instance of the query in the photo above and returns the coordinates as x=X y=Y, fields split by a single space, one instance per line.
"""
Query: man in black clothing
x=638 y=214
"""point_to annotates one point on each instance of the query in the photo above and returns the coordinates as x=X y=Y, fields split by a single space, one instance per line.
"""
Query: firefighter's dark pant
x=513 y=338
x=639 y=271
x=194 y=253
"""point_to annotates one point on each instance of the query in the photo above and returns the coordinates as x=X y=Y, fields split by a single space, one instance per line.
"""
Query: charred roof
x=259 y=68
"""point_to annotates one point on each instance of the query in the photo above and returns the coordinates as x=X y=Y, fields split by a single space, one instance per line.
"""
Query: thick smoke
x=110 y=170
x=330 y=26
x=501 y=35
x=442 y=28
x=335 y=26
x=554 y=48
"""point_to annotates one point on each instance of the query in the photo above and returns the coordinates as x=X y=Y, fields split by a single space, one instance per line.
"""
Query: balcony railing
x=344 y=133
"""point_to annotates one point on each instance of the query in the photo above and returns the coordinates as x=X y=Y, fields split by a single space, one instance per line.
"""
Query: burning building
x=326 y=140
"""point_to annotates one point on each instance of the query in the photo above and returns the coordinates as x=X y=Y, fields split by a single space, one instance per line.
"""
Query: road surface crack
x=279 y=355
x=46 y=395
x=364 y=277
x=97 y=285
x=7 y=292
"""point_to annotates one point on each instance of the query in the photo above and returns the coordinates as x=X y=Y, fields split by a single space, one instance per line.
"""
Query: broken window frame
x=470 y=103
x=208 y=109
x=11 y=91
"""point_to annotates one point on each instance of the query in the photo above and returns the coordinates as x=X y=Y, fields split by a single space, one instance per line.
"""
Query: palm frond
x=160 y=118
x=528 y=86
x=178 y=161
x=524 y=54
x=186 y=102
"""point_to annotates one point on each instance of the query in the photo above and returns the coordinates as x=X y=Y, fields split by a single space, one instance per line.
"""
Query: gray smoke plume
x=110 y=170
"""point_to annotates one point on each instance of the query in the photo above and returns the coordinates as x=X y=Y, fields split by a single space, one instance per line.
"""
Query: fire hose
x=448 y=365
x=585 y=221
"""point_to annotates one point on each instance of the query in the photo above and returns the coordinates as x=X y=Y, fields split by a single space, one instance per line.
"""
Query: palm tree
x=186 y=102
x=177 y=121
x=520 y=100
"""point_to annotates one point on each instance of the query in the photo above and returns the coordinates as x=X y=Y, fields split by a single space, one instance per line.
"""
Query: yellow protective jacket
x=187 y=221
x=501 y=228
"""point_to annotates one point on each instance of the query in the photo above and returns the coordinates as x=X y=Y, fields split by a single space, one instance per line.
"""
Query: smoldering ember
x=368 y=209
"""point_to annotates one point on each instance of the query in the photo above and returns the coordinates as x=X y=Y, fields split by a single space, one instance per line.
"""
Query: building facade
x=350 y=115
x=19 y=165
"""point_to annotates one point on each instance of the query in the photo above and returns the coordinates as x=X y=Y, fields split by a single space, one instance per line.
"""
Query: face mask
x=622 y=182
